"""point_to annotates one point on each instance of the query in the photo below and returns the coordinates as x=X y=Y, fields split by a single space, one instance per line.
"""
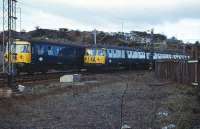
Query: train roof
x=129 y=48
x=62 y=43
x=56 y=43
x=112 y=47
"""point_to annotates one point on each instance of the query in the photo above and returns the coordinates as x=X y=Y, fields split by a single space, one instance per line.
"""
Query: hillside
x=134 y=39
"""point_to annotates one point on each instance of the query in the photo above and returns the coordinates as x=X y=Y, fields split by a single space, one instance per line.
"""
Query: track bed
x=95 y=103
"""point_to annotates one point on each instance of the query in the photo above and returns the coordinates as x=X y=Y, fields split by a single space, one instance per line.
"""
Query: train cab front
x=95 y=57
x=20 y=53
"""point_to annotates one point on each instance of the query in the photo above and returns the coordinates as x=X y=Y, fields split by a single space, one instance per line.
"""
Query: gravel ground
x=95 y=103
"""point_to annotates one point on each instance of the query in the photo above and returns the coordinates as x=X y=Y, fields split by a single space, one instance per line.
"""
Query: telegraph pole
x=95 y=36
x=9 y=26
x=122 y=27
x=123 y=30
x=152 y=47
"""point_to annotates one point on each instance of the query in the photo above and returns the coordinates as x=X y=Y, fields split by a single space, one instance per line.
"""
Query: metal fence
x=184 y=72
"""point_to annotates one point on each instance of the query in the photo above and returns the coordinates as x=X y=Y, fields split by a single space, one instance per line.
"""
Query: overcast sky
x=180 y=18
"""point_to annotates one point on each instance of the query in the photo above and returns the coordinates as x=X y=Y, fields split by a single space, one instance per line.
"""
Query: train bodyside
x=56 y=56
x=169 y=56
x=113 y=56
x=116 y=56
x=31 y=56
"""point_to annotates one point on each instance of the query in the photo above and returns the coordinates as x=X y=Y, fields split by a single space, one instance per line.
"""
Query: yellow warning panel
x=94 y=59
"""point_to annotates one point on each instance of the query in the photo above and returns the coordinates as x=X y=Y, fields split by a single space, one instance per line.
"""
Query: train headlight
x=40 y=59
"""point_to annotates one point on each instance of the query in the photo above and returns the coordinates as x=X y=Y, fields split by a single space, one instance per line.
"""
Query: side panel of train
x=125 y=57
x=114 y=57
x=47 y=56
x=167 y=56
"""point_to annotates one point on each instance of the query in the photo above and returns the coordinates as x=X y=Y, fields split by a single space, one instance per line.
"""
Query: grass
x=181 y=102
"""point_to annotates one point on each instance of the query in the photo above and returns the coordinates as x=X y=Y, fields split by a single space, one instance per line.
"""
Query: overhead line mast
x=9 y=30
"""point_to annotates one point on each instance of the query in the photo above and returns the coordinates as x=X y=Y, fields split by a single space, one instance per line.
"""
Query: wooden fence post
x=184 y=72
x=194 y=72
x=198 y=72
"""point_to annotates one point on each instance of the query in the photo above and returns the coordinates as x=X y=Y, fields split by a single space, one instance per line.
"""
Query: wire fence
x=184 y=72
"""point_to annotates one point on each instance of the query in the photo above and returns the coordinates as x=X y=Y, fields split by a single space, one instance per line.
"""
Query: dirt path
x=96 y=104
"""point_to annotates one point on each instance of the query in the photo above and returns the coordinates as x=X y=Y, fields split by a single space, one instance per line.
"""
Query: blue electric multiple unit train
x=56 y=56
x=41 y=56
x=124 y=56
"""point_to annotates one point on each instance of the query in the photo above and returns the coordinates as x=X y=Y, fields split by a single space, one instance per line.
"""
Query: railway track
x=39 y=77
x=34 y=78
x=3 y=80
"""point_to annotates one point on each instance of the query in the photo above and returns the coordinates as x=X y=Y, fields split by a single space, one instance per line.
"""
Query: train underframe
x=32 y=68
x=44 y=68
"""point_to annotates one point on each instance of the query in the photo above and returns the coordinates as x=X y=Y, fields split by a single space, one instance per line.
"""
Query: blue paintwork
x=48 y=55
x=116 y=56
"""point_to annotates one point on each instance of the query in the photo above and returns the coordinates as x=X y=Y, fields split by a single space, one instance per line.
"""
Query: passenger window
x=100 y=53
x=87 y=53
x=93 y=52
x=25 y=49
x=54 y=51
x=109 y=53
x=104 y=52
x=58 y=50
x=49 y=51
x=40 y=50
